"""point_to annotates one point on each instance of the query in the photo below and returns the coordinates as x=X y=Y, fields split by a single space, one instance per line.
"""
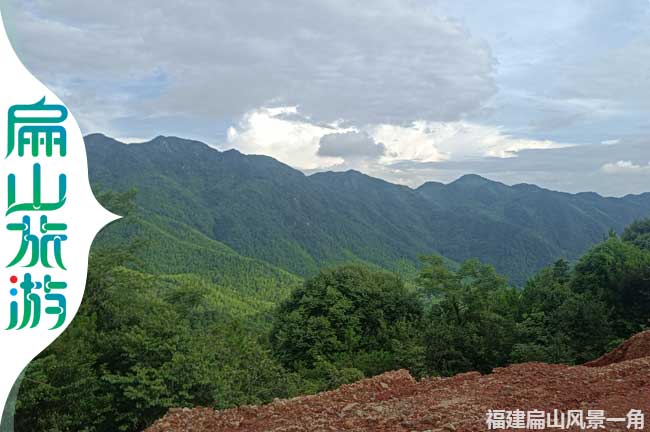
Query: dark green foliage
x=130 y=355
x=471 y=320
x=618 y=273
x=466 y=318
x=638 y=234
x=563 y=314
x=344 y=319
x=558 y=324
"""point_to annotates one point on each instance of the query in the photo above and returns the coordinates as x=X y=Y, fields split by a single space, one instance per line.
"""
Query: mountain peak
x=96 y=135
x=431 y=185
x=176 y=144
x=353 y=178
x=174 y=140
x=472 y=179
x=100 y=139
x=351 y=173
x=475 y=181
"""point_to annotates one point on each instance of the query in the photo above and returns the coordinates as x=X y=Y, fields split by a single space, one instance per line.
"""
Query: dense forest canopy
x=146 y=341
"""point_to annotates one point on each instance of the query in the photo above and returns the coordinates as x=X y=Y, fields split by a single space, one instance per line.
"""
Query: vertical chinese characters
x=36 y=132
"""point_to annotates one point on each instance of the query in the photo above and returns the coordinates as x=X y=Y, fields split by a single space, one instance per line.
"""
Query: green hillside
x=260 y=208
x=171 y=247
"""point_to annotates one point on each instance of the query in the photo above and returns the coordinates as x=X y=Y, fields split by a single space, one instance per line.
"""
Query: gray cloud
x=382 y=61
x=350 y=145
x=559 y=71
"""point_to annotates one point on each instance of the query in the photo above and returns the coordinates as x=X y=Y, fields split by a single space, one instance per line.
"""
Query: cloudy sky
x=552 y=92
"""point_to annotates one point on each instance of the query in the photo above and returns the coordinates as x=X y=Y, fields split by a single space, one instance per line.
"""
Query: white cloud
x=284 y=134
x=290 y=140
x=625 y=167
x=439 y=141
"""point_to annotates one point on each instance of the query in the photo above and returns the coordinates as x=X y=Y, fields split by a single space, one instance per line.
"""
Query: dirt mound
x=638 y=346
x=395 y=402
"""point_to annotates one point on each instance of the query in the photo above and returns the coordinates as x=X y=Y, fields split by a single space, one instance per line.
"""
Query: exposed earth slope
x=395 y=402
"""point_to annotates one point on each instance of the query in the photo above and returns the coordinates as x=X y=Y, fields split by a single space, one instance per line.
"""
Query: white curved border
x=83 y=214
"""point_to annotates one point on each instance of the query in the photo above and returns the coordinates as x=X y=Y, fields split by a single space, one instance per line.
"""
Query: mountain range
x=255 y=224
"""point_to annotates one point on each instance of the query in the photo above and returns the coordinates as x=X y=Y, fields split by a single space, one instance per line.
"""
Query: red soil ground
x=394 y=401
x=638 y=346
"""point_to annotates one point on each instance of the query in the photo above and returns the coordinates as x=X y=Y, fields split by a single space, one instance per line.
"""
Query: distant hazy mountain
x=256 y=207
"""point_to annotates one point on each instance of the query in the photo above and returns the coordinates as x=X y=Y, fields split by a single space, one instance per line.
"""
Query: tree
x=618 y=273
x=638 y=234
x=349 y=317
x=471 y=320
x=558 y=325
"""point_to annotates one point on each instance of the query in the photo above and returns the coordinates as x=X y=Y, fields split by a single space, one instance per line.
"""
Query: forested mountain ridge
x=186 y=305
x=268 y=211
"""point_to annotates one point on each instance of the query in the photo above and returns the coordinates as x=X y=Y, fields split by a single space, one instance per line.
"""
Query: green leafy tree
x=346 y=318
x=618 y=273
x=558 y=325
x=638 y=234
x=471 y=320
